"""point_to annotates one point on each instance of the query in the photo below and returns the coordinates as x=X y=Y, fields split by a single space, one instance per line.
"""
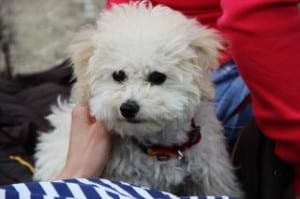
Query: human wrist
x=68 y=172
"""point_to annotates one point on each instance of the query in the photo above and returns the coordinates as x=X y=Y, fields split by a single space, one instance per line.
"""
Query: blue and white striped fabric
x=81 y=188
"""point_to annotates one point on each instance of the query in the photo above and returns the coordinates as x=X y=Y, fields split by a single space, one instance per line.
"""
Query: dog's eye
x=119 y=76
x=156 y=78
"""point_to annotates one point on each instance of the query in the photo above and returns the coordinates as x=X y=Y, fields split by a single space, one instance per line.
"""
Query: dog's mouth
x=131 y=120
x=134 y=121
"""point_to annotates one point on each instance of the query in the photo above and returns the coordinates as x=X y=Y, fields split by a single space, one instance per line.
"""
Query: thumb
x=81 y=118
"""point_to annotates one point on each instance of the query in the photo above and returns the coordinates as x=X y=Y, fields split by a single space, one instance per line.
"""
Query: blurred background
x=34 y=71
x=34 y=34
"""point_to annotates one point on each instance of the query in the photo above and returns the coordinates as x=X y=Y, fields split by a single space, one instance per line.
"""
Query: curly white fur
x=139 y=39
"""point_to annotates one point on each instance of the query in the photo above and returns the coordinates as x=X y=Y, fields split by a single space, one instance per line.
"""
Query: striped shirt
x=81 y=188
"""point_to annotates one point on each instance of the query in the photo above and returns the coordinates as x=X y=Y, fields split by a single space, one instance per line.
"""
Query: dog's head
x=142 y=67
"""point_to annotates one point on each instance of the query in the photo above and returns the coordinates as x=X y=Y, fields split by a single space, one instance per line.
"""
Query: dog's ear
x=81 y=50
x=207 y=45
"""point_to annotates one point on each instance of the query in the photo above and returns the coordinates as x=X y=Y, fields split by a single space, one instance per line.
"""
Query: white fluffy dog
x=145 y=72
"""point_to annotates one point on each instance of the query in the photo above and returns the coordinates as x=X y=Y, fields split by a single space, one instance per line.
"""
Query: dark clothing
x=24 y=102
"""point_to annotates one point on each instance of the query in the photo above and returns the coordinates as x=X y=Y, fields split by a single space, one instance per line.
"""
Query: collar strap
x=163 y=153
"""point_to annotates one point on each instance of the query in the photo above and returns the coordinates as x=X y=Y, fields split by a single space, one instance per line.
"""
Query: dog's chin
x=136 y=127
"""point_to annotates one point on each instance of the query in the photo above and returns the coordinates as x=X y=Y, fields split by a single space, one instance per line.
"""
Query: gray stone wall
x=39 y=31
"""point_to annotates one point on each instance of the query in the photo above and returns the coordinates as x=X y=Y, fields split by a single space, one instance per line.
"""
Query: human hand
x=89 y=146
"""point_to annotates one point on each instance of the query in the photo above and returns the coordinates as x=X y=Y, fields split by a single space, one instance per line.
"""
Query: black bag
x=261 y=173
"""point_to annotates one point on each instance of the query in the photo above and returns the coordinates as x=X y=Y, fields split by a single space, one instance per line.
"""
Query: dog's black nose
x=129 y=109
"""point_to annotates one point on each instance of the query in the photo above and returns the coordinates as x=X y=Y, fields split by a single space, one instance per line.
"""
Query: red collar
x=163 y=153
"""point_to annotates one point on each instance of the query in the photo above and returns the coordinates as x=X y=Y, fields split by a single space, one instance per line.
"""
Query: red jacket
x=265 y=43
x=264 y=39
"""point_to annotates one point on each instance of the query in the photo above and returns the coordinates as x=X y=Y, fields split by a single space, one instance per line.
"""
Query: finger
x=81 y=118
x=99 y=131
x=99 y=139
x=97 y=151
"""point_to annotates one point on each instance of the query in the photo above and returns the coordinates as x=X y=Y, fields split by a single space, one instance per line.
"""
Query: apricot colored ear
x=207 y=44
x=81 y=50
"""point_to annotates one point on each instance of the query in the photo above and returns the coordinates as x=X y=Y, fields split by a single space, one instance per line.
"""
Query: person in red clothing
x=264 y=39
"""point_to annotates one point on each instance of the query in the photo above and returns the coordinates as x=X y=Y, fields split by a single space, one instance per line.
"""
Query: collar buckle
x=180 y=155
